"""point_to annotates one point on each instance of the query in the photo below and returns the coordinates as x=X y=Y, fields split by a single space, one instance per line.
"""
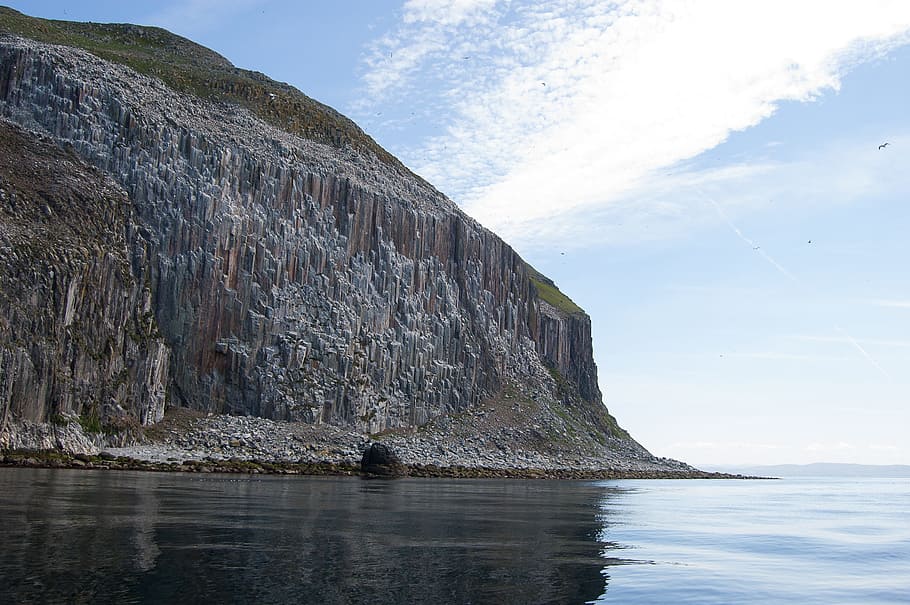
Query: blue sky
x=704 y=178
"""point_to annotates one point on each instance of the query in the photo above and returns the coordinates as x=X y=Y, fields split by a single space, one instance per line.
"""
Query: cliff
x=182 y=232
x=77 y=331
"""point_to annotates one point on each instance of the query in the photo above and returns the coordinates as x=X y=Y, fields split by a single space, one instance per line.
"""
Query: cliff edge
x=180 y=233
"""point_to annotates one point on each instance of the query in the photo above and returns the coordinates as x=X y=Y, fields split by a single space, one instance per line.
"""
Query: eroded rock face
x=279 y=277
x=78 y=335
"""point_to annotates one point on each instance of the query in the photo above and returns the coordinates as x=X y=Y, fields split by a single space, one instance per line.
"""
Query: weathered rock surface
x=77 y=333
x=242 y=269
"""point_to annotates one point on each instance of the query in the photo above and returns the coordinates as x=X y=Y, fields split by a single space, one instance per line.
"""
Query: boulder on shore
x=380 y=459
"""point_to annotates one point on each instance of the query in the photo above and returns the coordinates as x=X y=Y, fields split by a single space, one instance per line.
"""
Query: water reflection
x=104 y=537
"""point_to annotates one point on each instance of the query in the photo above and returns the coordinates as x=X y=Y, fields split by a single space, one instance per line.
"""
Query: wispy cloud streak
x=863 y=352
x=781 y=269
x=536 y=110
x=755 y=247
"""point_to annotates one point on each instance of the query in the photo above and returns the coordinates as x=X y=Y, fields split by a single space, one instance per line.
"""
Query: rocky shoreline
x=108 y=461
x=198 y=443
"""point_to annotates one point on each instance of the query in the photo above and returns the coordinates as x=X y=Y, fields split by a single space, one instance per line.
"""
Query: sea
x=80 y=536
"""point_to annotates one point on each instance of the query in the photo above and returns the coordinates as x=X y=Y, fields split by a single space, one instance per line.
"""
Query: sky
x=704 y=178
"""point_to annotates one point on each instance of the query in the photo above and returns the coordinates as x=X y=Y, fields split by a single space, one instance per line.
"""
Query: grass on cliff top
x=190 y=68
x=549 y=293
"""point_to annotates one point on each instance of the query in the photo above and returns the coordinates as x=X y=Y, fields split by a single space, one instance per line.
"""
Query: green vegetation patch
x=585 y=413
x=91 y=421
x=549 y=293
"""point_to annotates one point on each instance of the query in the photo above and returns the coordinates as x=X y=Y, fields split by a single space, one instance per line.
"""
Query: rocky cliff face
x=77 y=332
x=242 y=268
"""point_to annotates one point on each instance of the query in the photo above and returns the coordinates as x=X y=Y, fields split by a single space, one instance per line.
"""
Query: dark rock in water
x=379 y=459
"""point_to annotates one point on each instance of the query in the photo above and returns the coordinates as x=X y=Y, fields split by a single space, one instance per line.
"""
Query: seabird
x=883 y=145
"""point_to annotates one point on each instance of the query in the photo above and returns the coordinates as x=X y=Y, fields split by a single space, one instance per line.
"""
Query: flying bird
x=883 y=145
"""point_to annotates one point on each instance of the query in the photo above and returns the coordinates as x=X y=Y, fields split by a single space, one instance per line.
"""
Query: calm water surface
x=118 y=537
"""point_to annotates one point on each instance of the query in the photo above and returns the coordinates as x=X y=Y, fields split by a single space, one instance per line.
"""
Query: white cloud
x=429 y=33
x=554 y=110
x=683 y=199
x=446 y=12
